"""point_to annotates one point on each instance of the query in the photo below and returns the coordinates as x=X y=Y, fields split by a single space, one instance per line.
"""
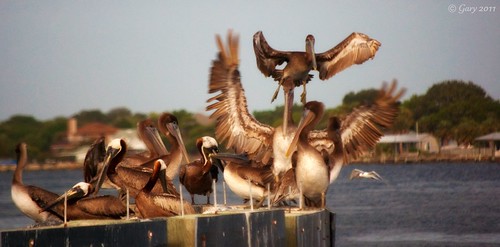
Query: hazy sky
x=60 y=57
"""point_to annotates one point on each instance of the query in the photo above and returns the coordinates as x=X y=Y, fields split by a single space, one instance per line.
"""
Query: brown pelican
x=235 y=124
x=31 y=199
x=80 y=206
x=359 y=130
x=287 y=188
x=197 y=176
x=245 y=177
x=152 y=205
x=169 y=126
x=356 y=173
x=311 y=170
x=129 y=178
x=146 y=131
x=355 y=49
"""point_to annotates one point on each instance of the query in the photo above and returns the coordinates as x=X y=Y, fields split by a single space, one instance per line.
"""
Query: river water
x=417 y=205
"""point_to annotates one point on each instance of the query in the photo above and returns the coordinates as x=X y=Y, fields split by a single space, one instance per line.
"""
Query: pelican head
x=162 y=167
x=114 y=153
x=208 y=146
x=172 y=125
x=310 y=50
x=79 y=190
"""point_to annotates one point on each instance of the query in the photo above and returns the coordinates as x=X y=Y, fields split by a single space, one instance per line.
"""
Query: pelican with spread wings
x=355 y=49
x=239 y=130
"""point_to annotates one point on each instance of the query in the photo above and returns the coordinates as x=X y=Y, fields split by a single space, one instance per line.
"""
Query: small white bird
x=356 y=173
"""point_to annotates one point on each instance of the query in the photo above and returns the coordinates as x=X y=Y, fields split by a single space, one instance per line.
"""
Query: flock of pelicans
x=286 y=164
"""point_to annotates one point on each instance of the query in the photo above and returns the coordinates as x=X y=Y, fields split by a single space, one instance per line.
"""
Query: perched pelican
x=150 y=136
x=311 y=170
x=197 y=176
x=245 y=178
x=31 y=199
x=355 y=49
x=359 y=131
x=129 y=178
x=356 y=173
x=152 y=205
x=80 y=206
x=97 y=151
x=169 y=126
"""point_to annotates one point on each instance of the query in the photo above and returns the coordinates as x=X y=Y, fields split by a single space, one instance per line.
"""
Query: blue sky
x=60 y=57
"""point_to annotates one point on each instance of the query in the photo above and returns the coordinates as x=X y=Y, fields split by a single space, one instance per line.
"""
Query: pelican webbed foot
x=304 y=93
x=275 y=95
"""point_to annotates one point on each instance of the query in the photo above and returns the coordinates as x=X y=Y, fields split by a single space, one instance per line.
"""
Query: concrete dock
x=275 y=227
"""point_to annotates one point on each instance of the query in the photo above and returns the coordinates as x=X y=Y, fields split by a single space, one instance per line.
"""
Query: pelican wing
x=355 y=49
x=234 y=124
x=362 y=128
x=320 y=140
x=257 y=175
x=41 y=196
x=172 y=204
x=267 y=57
x=107 y=205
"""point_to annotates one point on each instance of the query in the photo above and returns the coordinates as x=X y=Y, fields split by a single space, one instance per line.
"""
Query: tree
x=88 y=116
x=455 y=110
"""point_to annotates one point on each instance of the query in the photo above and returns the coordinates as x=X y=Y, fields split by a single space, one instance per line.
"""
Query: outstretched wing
x=267 y=57
x=363 y=127
x=234 y=124
x=355 y=49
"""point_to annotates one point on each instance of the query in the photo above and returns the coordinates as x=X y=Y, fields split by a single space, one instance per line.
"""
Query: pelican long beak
x=287 y=112
x=176 y=132
x=310 y=50
x=163 y=180
x=110 y=154
x=231 y=157
x=218 y=163
x=306 y=119
x=154 y=136
x=75 y=192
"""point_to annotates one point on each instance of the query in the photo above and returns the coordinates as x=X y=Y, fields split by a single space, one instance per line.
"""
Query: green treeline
x=450 y=110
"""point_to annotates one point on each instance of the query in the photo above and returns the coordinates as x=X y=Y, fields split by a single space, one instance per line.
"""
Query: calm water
x=419 y=205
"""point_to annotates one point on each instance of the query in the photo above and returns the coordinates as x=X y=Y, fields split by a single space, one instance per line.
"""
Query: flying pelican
x=355 y=49
x=152 y=205
x=81 y=206
x=311 y=170
x=31 y=199
x=197 y=176
x=129 y=178
x=360 y=130
x=356 y=173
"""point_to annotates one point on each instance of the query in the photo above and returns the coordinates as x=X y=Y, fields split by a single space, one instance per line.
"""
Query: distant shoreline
x=44 y=167
x=364 y=161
